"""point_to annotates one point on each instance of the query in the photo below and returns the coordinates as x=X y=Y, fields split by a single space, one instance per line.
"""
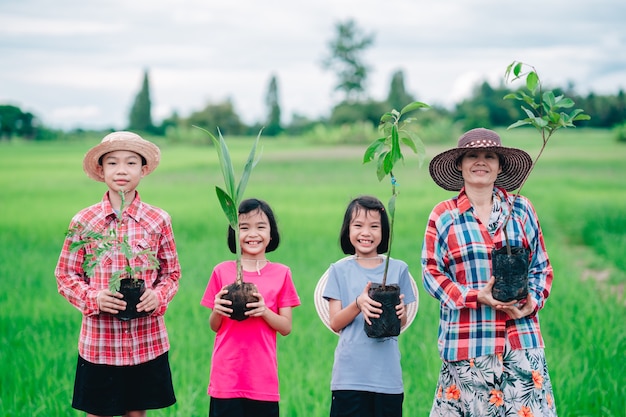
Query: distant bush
x=619 y=132
x=349 y=133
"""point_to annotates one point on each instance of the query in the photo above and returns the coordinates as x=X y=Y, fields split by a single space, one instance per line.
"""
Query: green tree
x=345 y=59
x=140 y=117
x=13 y=121
x=398 y=96
x=220 y=115
x=273 y=126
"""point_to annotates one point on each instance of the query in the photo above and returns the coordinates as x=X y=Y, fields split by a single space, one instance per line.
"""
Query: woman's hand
x=514 y=309
x=367 y=306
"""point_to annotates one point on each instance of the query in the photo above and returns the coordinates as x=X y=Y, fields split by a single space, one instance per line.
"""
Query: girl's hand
x=367 y=306
x=258 y=308
x=109 y=302
x=221 y=305
x=401 y=308
x=148 y=301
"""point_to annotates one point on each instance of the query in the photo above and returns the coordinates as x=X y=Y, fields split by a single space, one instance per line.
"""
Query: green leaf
x=391 y=206
x=250 y=164
x=228 y=207
x=409 y=142
x=385 y=118
x=564 y=102
x=532 y=81
x=413 y=106
x=374 y=148
x=380 y=166
x=518 y=124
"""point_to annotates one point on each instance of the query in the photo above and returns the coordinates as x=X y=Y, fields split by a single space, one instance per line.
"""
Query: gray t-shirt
x=357 y=364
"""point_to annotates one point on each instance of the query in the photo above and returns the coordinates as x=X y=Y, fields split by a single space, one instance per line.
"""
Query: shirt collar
x=133 y=211
x=463 y=202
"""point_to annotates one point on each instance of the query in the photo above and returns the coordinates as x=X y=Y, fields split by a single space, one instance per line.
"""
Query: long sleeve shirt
x=456 y=263
x=105 y=339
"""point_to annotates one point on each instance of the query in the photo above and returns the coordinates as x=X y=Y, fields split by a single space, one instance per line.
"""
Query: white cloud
x=75 y=63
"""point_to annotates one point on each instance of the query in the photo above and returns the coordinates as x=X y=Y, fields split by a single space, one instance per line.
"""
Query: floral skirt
x=513 y=384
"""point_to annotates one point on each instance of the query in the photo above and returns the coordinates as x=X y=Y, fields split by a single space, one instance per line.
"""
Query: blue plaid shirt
x=456 y=263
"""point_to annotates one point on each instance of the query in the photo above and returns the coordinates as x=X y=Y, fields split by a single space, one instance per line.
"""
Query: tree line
x=484 y=107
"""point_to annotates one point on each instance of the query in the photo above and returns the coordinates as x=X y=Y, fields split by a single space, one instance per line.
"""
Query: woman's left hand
x=520 y=309
x=514 y=309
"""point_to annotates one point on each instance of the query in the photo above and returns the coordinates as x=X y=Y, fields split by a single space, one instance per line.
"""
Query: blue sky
x=80 y=63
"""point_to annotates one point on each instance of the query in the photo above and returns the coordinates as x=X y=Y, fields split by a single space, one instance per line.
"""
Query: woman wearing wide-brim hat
x=492 y=352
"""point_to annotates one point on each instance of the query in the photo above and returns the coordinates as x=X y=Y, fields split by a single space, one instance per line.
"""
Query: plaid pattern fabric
x=456 y=263
x=103 y=338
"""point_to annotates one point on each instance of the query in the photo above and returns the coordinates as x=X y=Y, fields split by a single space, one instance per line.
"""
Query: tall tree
x=345 y=59
x=140 y=117
x=398 y=96
x=273 y=126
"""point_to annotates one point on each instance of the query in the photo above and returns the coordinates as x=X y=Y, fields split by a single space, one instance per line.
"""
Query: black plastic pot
x=511 y=273
x=388 y=324
x=240 y=295
x=132 y=290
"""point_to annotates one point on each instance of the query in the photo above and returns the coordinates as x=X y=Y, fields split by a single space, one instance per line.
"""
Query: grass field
x=578 y=190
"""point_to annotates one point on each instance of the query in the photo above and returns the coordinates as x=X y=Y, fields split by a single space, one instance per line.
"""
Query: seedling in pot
x=239 y=292
x=103 y=244
x=387 y=152
x=546 y=112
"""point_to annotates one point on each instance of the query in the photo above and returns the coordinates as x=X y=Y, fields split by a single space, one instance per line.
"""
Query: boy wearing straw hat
x=123 y=366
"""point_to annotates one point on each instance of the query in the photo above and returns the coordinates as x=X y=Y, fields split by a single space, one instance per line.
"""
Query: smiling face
x=122 y=170
x=254 y=234
x=365 y=232
x=480 y=168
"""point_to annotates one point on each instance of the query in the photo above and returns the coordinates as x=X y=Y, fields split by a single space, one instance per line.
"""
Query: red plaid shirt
x=456 y=263
x=105 y=339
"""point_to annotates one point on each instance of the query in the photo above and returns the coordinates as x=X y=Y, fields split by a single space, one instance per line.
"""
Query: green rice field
x=578 y=189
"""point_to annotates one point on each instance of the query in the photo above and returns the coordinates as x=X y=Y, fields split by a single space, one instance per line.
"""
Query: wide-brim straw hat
x=515 y=163
x=121 y=141
x=323 y=311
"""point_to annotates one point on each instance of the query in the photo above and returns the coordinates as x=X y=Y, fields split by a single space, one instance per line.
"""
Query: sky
x=80 y=64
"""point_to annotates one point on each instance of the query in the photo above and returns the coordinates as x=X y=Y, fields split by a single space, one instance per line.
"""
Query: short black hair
x=248 y=206
x=367 y=203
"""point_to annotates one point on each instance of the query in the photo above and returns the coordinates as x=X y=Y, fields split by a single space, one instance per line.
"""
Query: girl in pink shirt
x=244 y=367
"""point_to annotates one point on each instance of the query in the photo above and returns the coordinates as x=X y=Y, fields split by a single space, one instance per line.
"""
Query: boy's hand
x=109 y=302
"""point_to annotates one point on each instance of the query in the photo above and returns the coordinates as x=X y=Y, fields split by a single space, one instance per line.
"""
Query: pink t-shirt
x=244 y=363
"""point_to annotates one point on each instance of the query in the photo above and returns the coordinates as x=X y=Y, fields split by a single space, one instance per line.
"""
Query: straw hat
x=120 y=141
x=515 y=163
x=321 y=304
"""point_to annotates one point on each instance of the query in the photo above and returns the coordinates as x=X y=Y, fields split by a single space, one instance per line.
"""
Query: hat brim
x=148 y=150
x=446 y=174
x=323 y=311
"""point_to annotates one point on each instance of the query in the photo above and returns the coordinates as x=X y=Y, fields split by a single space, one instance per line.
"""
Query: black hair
x=367 y=203
x=143 y=160
x=253 y=204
